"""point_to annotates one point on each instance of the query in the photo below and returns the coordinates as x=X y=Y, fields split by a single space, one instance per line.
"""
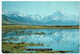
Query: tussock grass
x=16 y=47
x=20 y=47
x=37 y=27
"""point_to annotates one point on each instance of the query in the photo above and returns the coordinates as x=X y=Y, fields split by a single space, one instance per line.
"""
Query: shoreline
x=38 y=27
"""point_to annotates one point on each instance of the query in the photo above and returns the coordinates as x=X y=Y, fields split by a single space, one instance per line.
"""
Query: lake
x=56 y=39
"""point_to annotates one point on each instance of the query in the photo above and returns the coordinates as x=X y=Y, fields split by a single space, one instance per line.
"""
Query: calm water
x=56 y=39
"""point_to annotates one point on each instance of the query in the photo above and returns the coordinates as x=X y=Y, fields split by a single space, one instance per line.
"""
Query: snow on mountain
x=37 y=17
x=61 y=18
x=16 y=14
x=5 y=12
x=57 y=18
x=58 y=13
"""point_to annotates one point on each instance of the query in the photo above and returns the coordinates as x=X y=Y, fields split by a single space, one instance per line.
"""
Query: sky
x=42 y=7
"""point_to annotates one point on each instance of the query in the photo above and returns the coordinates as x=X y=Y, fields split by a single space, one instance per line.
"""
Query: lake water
x=56 y=39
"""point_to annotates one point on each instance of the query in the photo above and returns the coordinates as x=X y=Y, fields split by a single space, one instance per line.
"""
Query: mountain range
x=57 y=18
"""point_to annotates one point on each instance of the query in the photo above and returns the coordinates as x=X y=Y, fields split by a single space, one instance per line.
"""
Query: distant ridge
x=57 y=18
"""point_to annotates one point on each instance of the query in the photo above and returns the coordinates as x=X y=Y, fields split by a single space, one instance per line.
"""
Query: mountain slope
x=57 y=18
x=7 y=20
x=60 y=18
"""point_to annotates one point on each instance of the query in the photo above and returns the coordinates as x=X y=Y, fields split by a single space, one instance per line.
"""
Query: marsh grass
x=19 y=27
x=29 y=33
x=10 y=47
x=20 y=47
x=16 y=47
x=42 y=33
x=4 y=39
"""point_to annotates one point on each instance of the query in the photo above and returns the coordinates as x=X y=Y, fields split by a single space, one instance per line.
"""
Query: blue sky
x=42 y=7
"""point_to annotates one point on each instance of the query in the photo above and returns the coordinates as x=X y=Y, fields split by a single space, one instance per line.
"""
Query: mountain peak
x=5 y=12
x=59 y=13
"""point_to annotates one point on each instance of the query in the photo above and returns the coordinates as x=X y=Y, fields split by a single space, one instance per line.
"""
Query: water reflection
x=57 y=39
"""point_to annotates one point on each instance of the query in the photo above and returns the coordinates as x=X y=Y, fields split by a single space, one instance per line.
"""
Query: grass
x=8 y=27
x=20 y=47
x=12 y=47
x=9 y=39
x=16 y=47
x=29 y=33
x=42 y=33
x=4 y=39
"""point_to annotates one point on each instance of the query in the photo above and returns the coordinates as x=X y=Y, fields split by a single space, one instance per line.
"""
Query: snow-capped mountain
x=17 y=17
x=36 y=17
x=57 y=18
x=60 y=18
x=5 y=12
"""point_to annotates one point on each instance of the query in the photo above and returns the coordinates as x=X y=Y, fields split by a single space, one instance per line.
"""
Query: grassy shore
x=16 y=47
x=20 y=47
x=37 y=27
x=10 y=47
